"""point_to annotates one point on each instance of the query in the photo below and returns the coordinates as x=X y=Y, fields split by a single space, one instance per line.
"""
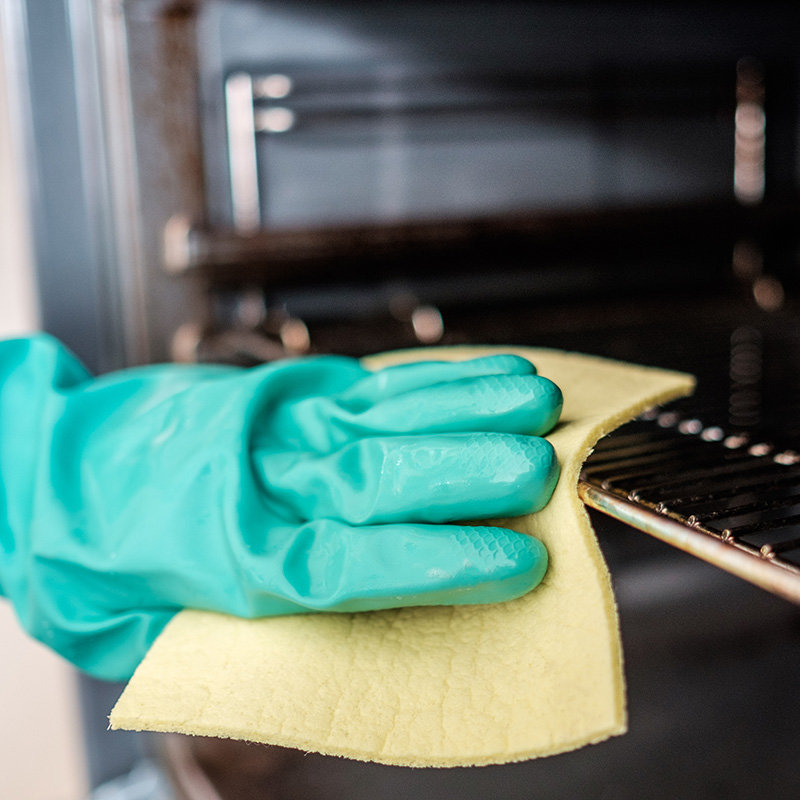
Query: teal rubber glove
x=306 y=485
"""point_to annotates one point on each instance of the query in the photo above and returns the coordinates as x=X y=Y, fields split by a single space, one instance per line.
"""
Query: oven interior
x=242 y=181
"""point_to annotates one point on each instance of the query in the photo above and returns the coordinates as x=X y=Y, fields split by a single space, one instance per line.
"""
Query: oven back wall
x=439 y=109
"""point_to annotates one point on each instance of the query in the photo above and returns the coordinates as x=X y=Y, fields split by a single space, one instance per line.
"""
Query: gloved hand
x=307 y=485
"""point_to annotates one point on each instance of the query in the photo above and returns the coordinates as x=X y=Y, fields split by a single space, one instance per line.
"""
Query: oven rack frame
x=729 y=499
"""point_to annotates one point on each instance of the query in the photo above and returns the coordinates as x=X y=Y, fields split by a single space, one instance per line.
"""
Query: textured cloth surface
x=444 y=686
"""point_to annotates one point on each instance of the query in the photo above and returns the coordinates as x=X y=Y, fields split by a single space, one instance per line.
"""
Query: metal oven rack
x=729 y=498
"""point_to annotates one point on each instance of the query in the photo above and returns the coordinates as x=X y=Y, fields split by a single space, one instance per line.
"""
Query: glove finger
x=329 y=566
x=393 y=381
x=437 y=478
x=527 y=404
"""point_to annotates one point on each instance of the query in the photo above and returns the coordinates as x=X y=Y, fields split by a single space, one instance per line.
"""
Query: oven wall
x=138 y=91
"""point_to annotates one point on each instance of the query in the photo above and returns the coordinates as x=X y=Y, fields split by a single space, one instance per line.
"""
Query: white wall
x=41 y=755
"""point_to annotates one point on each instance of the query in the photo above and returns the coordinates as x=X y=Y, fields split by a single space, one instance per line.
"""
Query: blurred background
x=41 y=751
x=244 y=180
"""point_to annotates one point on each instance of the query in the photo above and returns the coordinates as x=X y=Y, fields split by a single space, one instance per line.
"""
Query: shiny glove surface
x=307 y=485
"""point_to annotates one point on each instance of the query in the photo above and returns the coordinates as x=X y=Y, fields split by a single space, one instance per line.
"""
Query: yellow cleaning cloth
x=428 y=686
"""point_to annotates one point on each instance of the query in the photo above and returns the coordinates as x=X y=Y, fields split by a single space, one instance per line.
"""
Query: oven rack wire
x=727 y=497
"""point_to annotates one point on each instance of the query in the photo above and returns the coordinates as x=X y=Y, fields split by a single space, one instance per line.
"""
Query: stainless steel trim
x=242 y=157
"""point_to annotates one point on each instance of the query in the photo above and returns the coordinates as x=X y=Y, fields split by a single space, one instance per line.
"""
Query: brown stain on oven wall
x=178 y=64
x=174 y=106
x=167 y=165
